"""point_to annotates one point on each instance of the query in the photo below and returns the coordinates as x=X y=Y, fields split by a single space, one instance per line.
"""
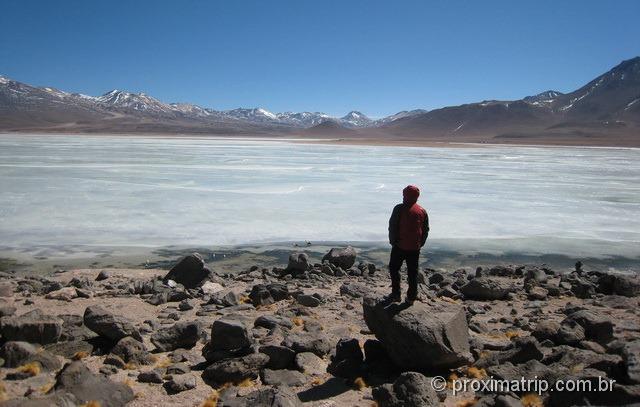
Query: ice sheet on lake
x=162 y=191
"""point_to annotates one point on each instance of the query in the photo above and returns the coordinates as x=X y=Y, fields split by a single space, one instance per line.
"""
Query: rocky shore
x=315 y=334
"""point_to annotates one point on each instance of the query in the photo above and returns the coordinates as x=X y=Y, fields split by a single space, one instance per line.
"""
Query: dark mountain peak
x=605 y=97
x=629 y=64
x=328 y=124
x=546 y=96
x=328 y=127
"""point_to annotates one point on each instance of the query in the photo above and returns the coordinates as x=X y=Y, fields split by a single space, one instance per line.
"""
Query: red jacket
x=409 y=222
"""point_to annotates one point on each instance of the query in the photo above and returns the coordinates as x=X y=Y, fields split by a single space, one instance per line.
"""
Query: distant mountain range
x=606 y=111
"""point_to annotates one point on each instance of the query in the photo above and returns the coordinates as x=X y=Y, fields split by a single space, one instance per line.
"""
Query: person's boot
x=412 y=296
x=395 y=295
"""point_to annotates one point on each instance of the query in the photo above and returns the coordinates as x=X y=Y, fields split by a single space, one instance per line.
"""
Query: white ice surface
x=162 y=191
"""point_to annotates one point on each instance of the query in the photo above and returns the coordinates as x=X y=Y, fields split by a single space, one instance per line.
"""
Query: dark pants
x=395 y=262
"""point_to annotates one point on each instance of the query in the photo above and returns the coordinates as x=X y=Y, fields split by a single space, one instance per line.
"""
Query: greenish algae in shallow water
x=8 y=264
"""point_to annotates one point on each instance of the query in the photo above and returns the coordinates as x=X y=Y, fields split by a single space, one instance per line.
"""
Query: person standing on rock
x=408 y=231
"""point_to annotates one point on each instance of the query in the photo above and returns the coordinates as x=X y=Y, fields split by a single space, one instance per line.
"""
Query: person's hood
x=410 y=195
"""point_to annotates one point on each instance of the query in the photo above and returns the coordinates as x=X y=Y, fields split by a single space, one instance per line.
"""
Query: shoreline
x=338 y=141
x=438 y=254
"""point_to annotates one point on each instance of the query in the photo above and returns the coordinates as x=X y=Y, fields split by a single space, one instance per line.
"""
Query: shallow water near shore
x=233 y=259
x=108 y=191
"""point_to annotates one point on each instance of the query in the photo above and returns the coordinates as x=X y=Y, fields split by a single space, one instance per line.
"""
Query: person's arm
x=425 y=228
x=394 y=220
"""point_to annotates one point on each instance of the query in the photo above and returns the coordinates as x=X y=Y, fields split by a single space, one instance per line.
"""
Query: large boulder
x=421 y=336
x=354 y=290
x=596 y=327
x=262 y=294
x=75 y=378
x=179 y=335
x=626 y=285
x=344 y=258
x=17 y=353
x=631 y=358
x=190 y=271
x=298 y=262
x=348 y=360
x=235 y=370
x=310 y=364
x=132 y=351
x=272 y=321
x=281 y=396
x=179 y=383
x=21 y=353
x=229 y=334
x=525 y=349
x=108 y=325
x=283 y=377
x=58 y=400
x=409 y=389
x=280 y=357
x=33 y=327
x=487 y=289
x=314 y=342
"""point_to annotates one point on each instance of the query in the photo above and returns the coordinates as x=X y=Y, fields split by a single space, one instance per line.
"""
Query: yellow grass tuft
x=577 y=368
x=476 y=373
x=224 y=386
x=246 y=383
x=466 y=402
x=244 y=299
x=163 y=362
x=212 y=400
x=512 y=334
x=317 y=381
x=32 y=369
x=297 y=321
x=47 y=387
x=130 y=366
x=3 y=392
x=359 y=383
x=80 y=355
x=92 y=403
x=452 y=377
x=269 y=307
x=531 y=400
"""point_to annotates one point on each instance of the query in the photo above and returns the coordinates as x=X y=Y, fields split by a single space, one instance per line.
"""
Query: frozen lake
x=170 y=191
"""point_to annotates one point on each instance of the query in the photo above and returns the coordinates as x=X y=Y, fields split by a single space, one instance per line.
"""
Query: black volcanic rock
x=33 y=327
x=190 y=271
x=421 y=336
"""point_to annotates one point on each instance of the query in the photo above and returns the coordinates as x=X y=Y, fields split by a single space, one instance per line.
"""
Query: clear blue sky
x=333 y=56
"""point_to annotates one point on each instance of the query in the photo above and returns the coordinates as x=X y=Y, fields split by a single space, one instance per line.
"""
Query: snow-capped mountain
x=256 y=115
x=303 y=119
x=141 y=105
x=611 y=99
x=355 y=119
x=188 y=109
x=399 y=115
x=138 y=102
